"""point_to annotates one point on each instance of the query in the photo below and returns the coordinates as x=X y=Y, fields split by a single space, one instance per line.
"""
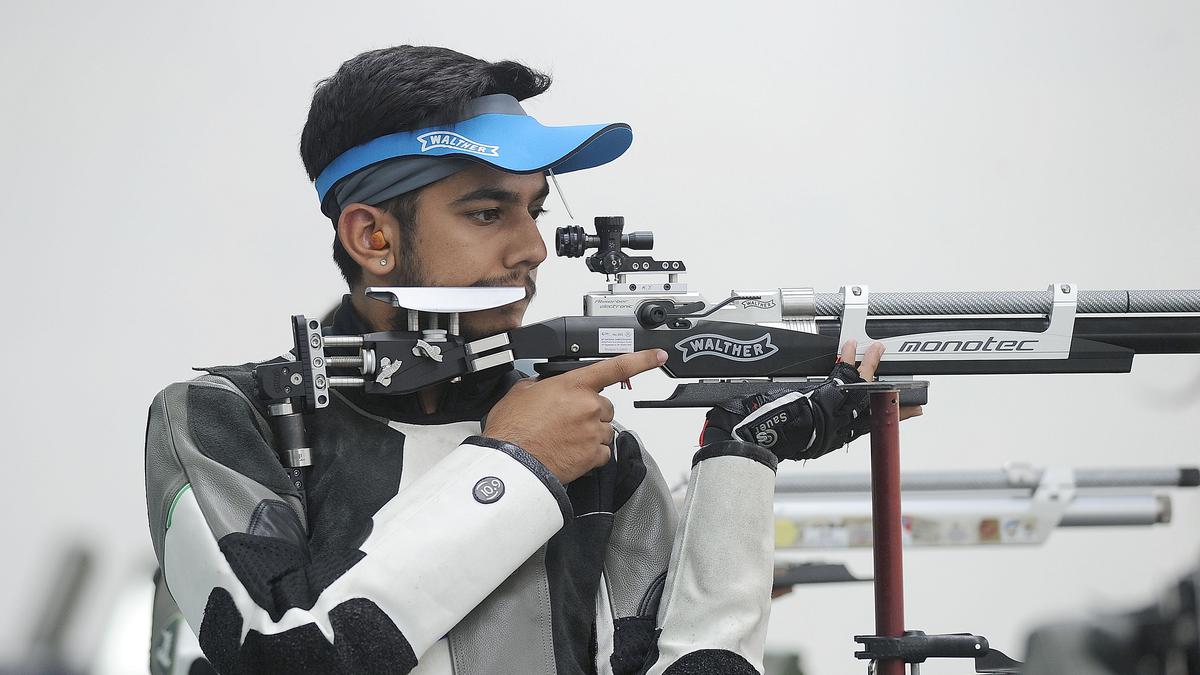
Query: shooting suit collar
x=469 y=399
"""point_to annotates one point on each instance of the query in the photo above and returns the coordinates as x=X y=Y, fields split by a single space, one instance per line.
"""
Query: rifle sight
x=572 y=242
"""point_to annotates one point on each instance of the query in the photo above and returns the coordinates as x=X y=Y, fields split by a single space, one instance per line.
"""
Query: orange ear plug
x=378 y=241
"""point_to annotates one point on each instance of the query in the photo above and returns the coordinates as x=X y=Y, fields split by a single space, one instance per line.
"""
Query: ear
x=368 y=234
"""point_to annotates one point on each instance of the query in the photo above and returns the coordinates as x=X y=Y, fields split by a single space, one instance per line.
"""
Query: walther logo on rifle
x=761 y=304
x=723 y=347
x=990 y=345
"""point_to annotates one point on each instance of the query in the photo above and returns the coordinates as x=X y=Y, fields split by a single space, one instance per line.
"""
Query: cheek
x=454 y=257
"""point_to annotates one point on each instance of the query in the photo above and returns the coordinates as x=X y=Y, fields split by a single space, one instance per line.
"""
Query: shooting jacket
x=420 y=546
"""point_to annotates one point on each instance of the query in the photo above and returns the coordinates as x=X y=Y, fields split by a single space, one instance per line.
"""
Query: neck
x=375 y=315
x=429 y=398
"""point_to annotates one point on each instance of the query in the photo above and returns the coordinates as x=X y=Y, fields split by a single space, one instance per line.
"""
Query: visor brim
x=512 y=143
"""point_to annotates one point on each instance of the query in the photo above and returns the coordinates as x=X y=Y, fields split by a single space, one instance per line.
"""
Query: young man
x=393 y=561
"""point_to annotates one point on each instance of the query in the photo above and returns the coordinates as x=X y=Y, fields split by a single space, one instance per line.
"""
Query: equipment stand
x=892 y=646
x=885 y=518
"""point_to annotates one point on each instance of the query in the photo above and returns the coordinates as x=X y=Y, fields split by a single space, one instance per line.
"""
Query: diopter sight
x=609 y=241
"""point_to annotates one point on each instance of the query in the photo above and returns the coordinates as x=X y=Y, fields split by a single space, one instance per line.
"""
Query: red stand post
x=885 y=519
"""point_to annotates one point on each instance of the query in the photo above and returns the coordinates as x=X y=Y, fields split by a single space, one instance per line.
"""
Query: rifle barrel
x=938 y=303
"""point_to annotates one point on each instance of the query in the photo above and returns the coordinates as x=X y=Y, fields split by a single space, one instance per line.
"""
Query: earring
x=383 y=262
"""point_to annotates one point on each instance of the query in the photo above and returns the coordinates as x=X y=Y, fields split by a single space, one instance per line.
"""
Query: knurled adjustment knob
x=607 y=222
x=570 y=241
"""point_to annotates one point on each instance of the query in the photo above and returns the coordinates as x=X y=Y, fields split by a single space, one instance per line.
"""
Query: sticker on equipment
x=616 y=340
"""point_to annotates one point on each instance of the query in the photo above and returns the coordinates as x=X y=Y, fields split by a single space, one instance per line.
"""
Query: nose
x=527 y=248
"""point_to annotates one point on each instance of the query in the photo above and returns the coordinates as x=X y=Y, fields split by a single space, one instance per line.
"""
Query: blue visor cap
x=496 y=131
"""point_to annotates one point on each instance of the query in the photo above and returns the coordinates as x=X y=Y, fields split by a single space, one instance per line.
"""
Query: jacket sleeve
x=689 y=593
x=716 y=598
x=231 y=539
x=635 y=563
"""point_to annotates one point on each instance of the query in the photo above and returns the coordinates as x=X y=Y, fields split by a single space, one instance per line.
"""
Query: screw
x=574 y=349
x=315 y=341
x=675 y=265
x=318 y=362
x=287 y=390
x=1065 y=288
x=666 y=287
x=320 y=381
x=633 y=287
x=297 y=379
x=665 y=265
x=856 y=290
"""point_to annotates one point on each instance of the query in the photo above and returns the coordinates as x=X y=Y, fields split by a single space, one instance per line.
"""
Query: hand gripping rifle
x=753 y=341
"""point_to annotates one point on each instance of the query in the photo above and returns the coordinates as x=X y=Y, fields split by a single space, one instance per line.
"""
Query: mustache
x=516 y=279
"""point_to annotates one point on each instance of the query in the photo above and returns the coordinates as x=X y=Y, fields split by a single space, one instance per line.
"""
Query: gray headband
x=380 y=182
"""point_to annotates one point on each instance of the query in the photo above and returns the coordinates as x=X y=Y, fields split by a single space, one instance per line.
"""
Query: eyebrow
x=499 y=194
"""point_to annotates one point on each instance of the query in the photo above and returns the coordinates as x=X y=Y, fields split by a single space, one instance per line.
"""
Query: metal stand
x=885 y=521
x=892 y=646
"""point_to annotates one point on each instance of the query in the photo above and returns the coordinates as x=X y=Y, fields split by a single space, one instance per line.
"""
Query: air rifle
x=755 y=340
x=1018 y=505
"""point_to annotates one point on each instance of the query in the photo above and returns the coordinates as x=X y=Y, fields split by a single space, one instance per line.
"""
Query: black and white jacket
x=394 y=561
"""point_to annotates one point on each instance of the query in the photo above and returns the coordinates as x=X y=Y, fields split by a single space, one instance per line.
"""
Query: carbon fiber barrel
x=1015 y=302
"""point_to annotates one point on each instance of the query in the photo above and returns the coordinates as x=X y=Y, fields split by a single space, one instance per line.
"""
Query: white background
x=156 y=217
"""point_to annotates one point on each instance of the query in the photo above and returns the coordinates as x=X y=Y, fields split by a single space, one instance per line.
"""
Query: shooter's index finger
x=610 y=371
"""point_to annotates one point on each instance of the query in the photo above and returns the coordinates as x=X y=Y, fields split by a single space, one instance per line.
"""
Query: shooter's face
x=478 y=227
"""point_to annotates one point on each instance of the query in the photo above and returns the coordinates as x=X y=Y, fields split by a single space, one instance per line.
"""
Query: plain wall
x=157 y=217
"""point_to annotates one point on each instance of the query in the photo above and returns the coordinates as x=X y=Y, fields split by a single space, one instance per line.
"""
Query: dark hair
x=384 y=91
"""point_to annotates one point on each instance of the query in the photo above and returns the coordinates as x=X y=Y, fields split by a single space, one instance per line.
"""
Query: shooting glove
x=791 y=424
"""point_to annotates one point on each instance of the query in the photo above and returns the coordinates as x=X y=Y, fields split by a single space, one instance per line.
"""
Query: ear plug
x=378 y=241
